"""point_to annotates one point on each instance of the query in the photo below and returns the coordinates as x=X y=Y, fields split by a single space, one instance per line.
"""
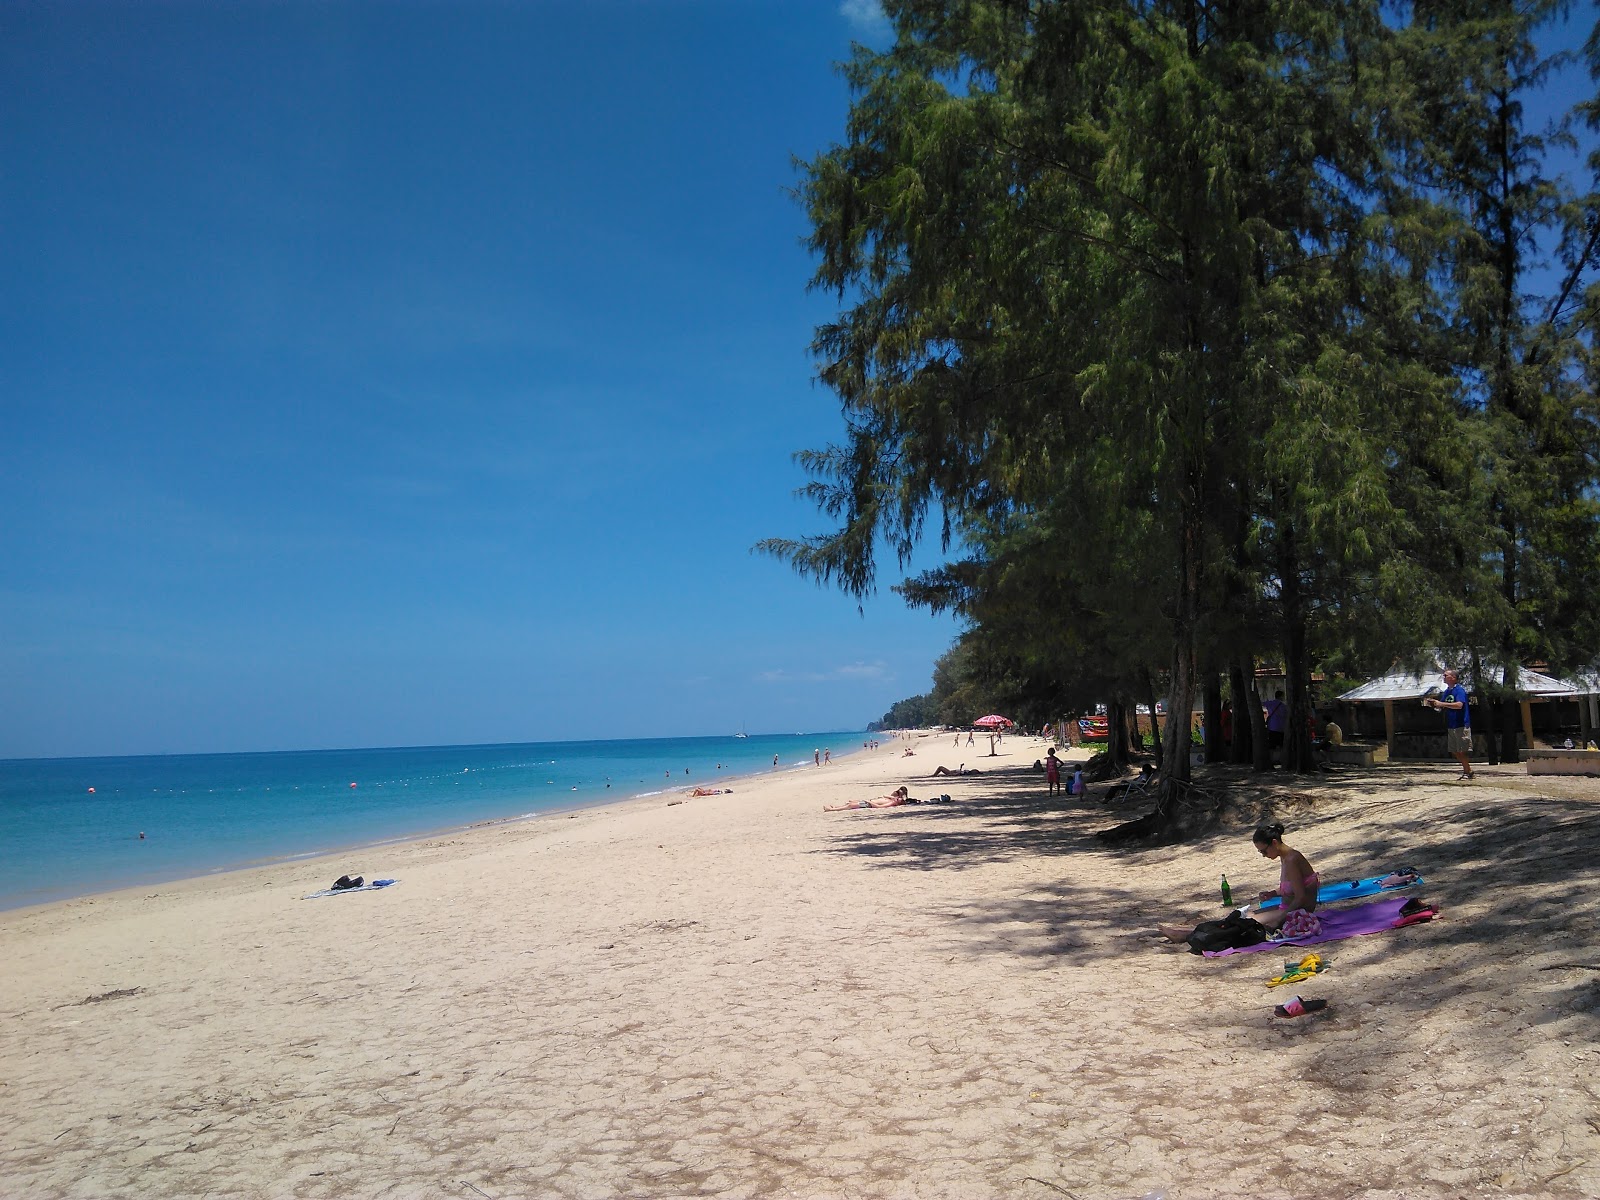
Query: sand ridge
x=742 y=995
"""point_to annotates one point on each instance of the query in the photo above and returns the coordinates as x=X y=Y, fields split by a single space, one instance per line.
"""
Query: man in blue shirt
x=1457 y=725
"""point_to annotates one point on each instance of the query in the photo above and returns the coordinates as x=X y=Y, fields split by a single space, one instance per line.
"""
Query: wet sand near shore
x=742 y=995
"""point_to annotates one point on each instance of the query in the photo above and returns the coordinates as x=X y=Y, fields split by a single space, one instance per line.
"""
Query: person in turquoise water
x=1457 y=722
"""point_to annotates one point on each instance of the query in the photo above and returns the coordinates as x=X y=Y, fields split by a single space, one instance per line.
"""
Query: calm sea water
x=72 y=825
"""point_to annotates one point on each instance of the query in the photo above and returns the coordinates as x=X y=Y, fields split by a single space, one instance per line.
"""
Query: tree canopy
x=1203 y=331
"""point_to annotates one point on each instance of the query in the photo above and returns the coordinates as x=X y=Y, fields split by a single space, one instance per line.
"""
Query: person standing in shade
x=1457 y=723
x=1277 y=714
x=1052 y=771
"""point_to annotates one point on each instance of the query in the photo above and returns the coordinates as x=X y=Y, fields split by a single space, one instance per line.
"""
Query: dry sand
x=745 y=996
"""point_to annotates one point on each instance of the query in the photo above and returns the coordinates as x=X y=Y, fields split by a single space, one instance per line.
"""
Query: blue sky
x=416 y=373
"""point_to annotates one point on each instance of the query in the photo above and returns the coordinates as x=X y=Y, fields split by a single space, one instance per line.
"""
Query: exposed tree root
x=1183 y=810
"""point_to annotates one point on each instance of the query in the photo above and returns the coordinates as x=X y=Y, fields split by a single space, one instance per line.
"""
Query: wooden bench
x=1563 y=762
x=1358 y=754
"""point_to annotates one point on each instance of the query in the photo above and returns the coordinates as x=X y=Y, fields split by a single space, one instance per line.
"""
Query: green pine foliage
x=1201 y=327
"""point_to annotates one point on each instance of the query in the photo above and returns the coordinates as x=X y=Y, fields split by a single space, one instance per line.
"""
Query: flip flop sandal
x=1299 y=1008
x=1417 y=917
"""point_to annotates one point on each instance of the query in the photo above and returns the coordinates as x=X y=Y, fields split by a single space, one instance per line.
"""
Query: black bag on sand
x=344 y=881
x=1232 y=931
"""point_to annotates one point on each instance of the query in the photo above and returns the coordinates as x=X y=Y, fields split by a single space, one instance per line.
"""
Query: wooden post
x=1388 y=726
x=1527 y=722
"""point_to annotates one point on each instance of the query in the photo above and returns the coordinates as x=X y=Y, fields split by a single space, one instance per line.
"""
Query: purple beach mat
x=1350 y=922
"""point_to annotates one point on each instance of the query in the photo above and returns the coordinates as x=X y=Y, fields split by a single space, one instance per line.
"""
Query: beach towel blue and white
x=374 y=886
x=1351 y=890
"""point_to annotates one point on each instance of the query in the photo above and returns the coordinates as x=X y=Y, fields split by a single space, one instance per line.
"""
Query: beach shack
x=1389 y=709
x=1577 y=727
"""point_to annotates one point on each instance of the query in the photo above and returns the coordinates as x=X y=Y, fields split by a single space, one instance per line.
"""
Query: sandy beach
x=742 y=995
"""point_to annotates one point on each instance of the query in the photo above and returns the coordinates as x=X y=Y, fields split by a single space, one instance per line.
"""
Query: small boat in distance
x=741 y=732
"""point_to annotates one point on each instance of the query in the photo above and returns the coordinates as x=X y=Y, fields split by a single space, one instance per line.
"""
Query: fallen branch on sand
x=1048 y=1184
x=118 y=994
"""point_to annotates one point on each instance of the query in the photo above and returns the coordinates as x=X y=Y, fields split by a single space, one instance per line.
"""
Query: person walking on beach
x=1457 y=721
x=816 y=758
x=774 y=762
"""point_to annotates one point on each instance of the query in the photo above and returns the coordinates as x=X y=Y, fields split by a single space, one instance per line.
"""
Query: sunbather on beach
x=961 y=770
x=1297 y=884
x=893 y=800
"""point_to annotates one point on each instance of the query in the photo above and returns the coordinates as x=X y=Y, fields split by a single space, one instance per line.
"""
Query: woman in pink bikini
x=1297 y=884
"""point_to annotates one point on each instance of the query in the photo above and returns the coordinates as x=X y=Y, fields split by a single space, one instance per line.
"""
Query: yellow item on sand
x=1304 y=969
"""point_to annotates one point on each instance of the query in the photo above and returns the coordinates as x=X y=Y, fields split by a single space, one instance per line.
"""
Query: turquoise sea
x=72 y=825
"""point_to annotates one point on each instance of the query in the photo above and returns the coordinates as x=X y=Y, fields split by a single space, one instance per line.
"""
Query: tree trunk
x=1180 y=696
x=1260 y=745
x=1489 y=710
x=1296 y=732
x=1243 y=730
x=1510 y=714
x=1116 y=737
x=1215 y=750
x=1155 y=726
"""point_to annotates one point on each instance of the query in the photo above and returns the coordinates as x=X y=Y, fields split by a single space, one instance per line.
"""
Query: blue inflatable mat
x=1349 y=890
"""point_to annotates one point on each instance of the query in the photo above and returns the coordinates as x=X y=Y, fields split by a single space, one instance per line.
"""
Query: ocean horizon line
x=42 y=758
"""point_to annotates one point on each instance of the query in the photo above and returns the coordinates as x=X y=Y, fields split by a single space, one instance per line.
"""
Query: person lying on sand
x=1297 y=884
x=705 y=791
x=893 y=800
x=961 y=770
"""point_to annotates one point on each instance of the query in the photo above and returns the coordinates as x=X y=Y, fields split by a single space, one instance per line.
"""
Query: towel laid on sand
x=1351 y=922
x=1352 y=889
x=374 y=886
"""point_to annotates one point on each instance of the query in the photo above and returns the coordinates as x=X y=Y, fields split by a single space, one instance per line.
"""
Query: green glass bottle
x=1227 y=893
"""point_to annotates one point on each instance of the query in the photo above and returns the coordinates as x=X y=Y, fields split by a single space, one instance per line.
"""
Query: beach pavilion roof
x=1586 y=682
x=1401 y=684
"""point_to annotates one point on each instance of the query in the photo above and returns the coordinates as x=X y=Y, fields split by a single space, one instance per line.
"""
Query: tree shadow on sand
x=1510 y=865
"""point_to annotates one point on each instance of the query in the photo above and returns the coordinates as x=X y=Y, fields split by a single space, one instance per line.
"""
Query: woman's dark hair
x=1267 y=834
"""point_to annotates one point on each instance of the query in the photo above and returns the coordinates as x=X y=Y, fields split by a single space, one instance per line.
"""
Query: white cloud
x=865 y=16
x=859 y=670
x=876 y=670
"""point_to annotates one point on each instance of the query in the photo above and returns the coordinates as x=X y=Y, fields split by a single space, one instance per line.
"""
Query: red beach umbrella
x=993 y=721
